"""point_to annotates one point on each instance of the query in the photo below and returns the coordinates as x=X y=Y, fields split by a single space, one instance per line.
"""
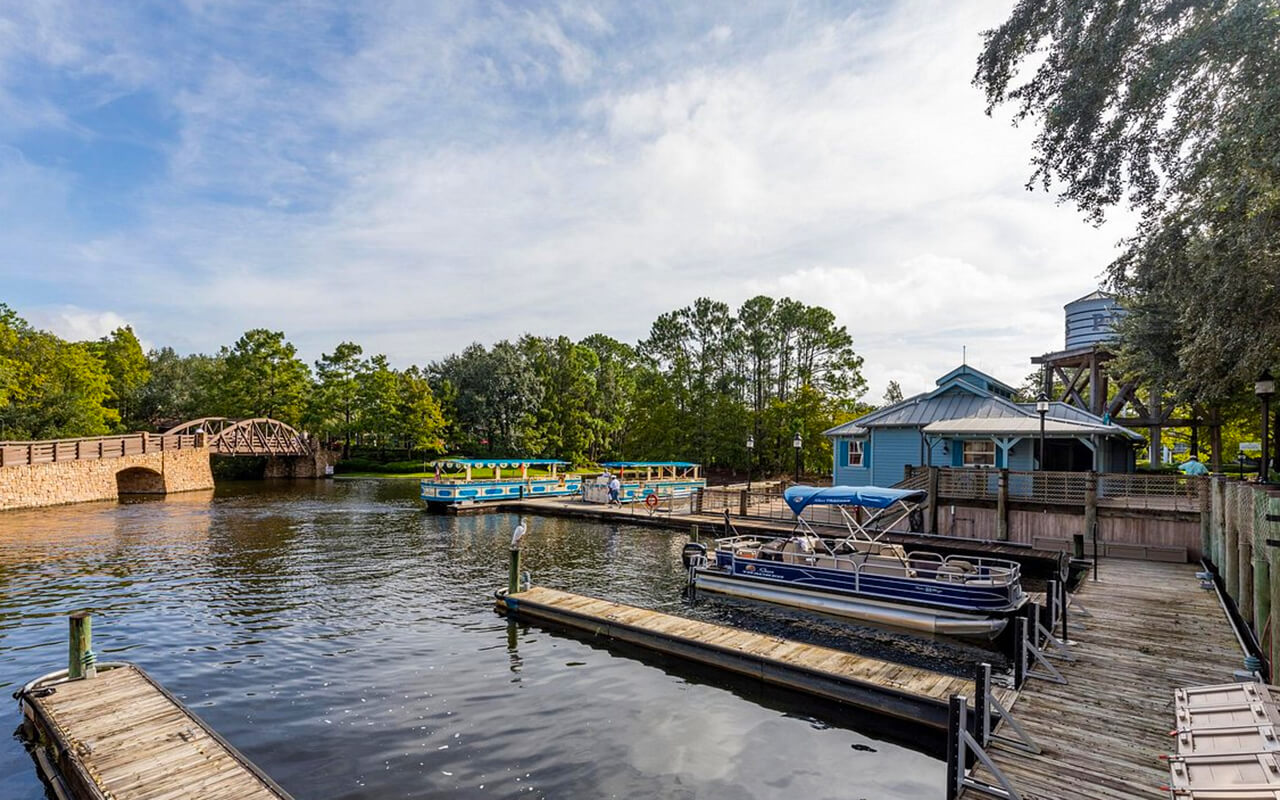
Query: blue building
x=972 y=420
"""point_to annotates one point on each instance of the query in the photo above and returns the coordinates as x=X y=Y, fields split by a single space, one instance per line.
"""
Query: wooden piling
x=513 y=576
x=1217 y=487
x=931 y=502
x=1002 y=506
x=1230 y=544
x=1272 y=554
x=1244 y=602
x=80 y=645
x=1204 y=487
x=1090 y=503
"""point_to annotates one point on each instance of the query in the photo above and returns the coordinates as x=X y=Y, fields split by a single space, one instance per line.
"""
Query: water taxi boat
x=641 y=479
x=454 y=485
x=859 y=575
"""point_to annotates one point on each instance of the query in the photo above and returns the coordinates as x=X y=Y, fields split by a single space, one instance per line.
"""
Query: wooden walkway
x=1152 y=629
x=122 y=737
x=912 y=693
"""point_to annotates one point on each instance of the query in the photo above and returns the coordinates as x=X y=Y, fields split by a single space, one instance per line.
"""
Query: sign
x=328 y=469
x=1251 y=447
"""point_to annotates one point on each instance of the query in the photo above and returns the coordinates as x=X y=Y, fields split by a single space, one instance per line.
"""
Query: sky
x=418 y=176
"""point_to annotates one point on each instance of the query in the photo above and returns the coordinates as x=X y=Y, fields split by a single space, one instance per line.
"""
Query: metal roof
x=1022 y=426
x=498 y=462
x=850 y=428
x=955 y=401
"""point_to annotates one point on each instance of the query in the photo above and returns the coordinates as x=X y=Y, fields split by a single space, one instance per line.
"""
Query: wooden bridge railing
x=14 y=454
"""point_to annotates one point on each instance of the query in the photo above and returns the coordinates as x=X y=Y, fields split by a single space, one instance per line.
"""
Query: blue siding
x=892 y=449
x=1022 y=455
x=851 y=476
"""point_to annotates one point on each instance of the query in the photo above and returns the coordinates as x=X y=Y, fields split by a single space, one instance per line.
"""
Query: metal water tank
x=1092 y=319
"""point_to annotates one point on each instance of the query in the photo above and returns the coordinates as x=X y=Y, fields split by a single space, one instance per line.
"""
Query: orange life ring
x=651 y=500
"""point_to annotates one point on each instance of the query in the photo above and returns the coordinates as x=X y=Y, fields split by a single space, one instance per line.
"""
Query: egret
x=519 y=533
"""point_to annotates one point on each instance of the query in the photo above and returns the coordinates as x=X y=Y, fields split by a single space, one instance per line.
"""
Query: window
x=979 y=453
x=854 y=458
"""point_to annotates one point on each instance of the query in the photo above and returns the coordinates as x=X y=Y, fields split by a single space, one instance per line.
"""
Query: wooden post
x=1019 y=651
x=1203 y=486
x=742 y=502
x=701 y=496
x=513 y=575
x=1215 y=521
x=1230 y=547
x=1090 y=502
x=931 y=508
x=955 y=728
x=80 y=641
x=1261 y=593
x=1273 y=558
x=693 y=532
x=1244 y=602
x=1002 y=506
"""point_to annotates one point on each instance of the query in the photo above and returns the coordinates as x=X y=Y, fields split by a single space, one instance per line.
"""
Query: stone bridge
x=57 y=471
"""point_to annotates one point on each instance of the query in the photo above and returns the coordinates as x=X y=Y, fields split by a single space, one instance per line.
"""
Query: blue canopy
x=801 y=497
x=631 y=464
x=498 y=462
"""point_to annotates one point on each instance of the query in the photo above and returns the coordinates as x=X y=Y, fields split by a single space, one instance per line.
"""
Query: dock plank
x=1152 y=629
x=132 y=741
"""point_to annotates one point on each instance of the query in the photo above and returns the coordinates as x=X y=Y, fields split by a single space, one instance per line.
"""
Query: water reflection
x=345 y=640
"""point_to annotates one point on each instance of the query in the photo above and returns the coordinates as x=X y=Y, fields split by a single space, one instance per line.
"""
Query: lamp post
x=751 y=446
x=1042 y=408
x=1264 y=387
x=798 y=442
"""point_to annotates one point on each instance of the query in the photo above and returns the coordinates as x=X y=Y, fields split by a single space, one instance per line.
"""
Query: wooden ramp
x=1152 y=630
x=905 y=692
x=121 y=736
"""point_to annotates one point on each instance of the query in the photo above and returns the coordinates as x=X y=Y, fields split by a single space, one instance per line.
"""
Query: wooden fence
x=16 y=454
x=1242 y=540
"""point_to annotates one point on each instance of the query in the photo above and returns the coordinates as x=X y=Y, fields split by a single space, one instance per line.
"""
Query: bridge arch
x=260 y=436
x=139 y=480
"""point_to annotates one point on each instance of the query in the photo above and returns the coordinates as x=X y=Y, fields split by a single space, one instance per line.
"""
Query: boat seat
x=961 y=564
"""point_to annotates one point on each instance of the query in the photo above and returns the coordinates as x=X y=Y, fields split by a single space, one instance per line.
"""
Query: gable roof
x=965 y=369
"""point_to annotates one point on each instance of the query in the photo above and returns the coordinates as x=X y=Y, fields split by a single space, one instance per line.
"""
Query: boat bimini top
x=890 y=506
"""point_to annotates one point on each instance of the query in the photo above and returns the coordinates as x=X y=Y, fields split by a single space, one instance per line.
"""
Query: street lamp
x=798 y=442
x=1042 y=408
x=751 y=446
x=1264 y=387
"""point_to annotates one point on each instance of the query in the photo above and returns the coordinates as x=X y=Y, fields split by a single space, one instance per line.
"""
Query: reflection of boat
x=640 y=479
x=462 y=489
x=859 y=575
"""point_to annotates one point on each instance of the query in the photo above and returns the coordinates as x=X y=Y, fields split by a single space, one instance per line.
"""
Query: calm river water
x=344 y=640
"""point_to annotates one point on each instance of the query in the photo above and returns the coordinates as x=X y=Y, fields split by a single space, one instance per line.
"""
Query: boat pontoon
x=859 y=575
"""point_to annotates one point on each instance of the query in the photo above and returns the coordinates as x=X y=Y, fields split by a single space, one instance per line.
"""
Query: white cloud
x=448 y=178
x=77 y=324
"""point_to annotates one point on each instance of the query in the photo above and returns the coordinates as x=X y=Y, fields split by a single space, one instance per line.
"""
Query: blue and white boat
x=641 y=479
x=454 y=484
x=859 y=575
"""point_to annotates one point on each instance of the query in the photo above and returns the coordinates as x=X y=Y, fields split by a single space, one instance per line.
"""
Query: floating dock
x=908 y=693
x=122 y=736
x=1151 y=630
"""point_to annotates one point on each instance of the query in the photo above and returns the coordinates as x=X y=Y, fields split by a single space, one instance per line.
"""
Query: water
x=345 y=641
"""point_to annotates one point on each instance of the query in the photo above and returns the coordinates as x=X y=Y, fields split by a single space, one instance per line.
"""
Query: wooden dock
x=121 y=736
x=1152 y=629
x=909 y=693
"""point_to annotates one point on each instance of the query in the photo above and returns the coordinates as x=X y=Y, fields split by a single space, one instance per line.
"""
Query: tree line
x=705 y=379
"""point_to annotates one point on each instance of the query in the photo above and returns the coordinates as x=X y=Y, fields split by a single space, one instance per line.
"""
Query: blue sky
x=416 y=176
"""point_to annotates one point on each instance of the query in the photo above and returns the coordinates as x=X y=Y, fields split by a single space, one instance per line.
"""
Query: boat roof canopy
x=630 y=464
x=801 y=497
x=498 y=462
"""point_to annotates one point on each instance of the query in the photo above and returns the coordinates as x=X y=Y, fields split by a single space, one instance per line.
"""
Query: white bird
x=518 y=534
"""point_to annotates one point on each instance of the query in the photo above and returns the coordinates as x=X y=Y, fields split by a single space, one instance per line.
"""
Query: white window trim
x=861 y=452
x=964 y=451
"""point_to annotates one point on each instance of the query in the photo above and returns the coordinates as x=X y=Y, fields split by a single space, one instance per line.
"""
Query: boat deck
x=902 y=691
x=1152 y=629
x=122 y=737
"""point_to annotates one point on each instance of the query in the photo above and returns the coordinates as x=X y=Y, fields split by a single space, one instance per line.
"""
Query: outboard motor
x=692 y=550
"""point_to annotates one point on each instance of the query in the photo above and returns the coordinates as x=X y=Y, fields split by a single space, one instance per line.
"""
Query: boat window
x=980 y=453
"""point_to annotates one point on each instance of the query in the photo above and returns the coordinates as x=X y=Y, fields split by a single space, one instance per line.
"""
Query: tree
x=378 y=400
x=1170 y=106
x=178 y=388
x=126 y=364
x=334 y=403
x=52 y=388
x=263 y=377
x=421 y=424
x=892 y=393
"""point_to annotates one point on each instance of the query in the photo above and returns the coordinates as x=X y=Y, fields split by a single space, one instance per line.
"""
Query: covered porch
x=1014 y=443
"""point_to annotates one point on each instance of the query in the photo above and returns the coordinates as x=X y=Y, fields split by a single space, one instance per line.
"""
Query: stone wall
x=160 y=471
x=312 y=466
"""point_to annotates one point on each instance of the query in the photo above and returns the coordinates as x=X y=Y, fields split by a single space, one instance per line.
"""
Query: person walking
x=615 y=487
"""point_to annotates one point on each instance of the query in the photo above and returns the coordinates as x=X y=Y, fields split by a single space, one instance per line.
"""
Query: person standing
x=615 y=487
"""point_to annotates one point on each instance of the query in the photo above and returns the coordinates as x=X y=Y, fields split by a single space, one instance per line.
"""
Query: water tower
x=1080 y=370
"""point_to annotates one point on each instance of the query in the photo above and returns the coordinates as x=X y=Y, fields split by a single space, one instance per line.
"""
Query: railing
x=16 y=454
x=1158 y=492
